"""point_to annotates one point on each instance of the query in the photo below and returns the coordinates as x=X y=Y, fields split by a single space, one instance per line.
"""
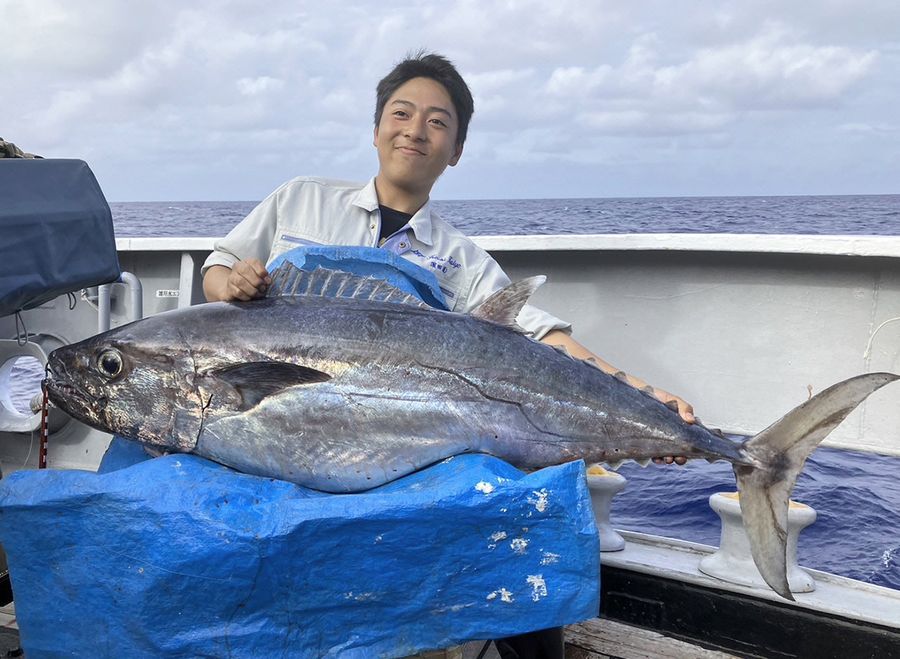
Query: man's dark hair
x=439 y=69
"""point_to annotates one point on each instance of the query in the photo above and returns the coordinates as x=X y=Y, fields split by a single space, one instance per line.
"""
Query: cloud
x=883 y=128
x=769 y=71
x=135 y=85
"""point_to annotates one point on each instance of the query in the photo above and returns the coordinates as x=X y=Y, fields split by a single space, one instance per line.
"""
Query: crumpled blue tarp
x=368 y=261
x=179 y=556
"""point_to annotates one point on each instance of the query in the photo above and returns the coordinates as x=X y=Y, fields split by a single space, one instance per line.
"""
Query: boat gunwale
x=801 y=244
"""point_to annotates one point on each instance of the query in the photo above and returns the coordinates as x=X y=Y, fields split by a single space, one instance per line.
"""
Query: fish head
x=124 y=386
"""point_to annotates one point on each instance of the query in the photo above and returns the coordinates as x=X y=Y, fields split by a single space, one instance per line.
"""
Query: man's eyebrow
x=433 y=108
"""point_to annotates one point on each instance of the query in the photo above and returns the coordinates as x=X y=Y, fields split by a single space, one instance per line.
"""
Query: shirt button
x=372 y=226
x=402 y=245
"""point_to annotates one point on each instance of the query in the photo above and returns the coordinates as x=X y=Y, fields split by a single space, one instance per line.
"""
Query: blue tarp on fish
x=368 y=261
x=179 y=556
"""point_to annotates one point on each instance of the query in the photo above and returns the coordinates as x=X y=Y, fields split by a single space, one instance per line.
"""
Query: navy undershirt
x=391 y=221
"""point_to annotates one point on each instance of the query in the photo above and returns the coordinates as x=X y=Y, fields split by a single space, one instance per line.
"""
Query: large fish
x=341 y=384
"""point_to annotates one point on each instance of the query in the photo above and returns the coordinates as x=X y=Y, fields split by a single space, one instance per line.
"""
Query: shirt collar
x=367 y=199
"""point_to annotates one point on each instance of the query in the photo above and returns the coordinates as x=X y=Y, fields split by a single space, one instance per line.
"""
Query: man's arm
x=560 y=338
x=247 y=280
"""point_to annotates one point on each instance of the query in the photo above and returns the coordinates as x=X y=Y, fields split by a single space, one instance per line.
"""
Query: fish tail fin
x=779 y=453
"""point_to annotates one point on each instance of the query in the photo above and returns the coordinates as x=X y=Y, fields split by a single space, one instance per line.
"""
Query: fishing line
x=21 y=330
x=30 y=447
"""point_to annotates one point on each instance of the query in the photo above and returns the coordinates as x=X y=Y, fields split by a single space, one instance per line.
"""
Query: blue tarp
x=179 y=556
x=378 y=263
x=57 y=232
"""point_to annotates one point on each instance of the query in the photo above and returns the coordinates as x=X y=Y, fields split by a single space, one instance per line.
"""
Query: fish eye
x=109 y=363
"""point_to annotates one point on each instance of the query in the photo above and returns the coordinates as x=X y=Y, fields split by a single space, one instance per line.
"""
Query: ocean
x=856 y=214
x=856 y=495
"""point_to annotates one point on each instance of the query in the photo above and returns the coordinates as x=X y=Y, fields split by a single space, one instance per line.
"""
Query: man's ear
x=456 y=155
x=375 y=137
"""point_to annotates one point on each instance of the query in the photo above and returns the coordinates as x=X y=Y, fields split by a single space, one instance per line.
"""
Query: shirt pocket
x=450 y=285
x=288 y=240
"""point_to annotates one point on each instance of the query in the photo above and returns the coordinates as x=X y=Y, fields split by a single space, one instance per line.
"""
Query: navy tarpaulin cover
x=179 y=556
x=57 y=232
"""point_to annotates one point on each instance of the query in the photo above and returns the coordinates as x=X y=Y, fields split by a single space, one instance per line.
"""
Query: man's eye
x=399 y=113
x=438 y=122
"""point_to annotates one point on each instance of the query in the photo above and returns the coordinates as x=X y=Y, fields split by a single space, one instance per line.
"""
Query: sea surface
x=856 y=495
x=858 y=214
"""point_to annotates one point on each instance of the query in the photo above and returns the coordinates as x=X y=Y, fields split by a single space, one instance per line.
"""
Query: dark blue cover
x=56 y=232
x=178 y=556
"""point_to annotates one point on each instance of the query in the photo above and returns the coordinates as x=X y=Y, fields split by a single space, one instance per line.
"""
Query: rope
x=42 y=452
x=872 y=338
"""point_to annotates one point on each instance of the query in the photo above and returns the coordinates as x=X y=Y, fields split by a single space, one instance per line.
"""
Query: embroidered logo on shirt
x=445 y=264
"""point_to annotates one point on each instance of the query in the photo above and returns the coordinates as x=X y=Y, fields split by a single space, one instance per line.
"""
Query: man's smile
x=412 y=151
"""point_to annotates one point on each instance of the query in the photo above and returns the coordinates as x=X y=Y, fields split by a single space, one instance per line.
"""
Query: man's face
x=416 y=136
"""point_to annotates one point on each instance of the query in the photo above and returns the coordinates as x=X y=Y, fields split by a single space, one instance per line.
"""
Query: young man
x=422 y=114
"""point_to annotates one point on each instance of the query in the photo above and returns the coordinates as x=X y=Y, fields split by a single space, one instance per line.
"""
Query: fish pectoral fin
x=257 y=380
x=504 y=305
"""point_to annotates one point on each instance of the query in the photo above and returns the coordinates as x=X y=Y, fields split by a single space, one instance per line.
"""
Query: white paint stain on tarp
x=540 y=499
x=485 y=487
x=538 y=586
x=549 y=558
x=495 y=538
x=359 y=597
x=454 y=608
x=502 y=593
x=518 y=545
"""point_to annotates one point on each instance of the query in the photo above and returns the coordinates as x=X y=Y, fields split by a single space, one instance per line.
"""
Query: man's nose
x=415 y=130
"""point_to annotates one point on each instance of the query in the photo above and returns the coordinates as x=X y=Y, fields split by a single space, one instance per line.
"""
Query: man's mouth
x=408 y=150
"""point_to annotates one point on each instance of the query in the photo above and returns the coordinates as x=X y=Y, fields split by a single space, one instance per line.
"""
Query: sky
x=226 y=99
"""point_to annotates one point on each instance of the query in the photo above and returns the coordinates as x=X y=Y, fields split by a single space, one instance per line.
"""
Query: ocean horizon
x=813 y=214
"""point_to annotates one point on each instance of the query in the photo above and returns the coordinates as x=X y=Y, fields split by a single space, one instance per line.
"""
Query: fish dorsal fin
x=289 y=281
x=504 y=305
x=258 y=380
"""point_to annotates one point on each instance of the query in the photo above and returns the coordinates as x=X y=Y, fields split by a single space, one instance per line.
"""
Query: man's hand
x=684 y=409
x=674 y=403
x=247 y=280
x=578 y=351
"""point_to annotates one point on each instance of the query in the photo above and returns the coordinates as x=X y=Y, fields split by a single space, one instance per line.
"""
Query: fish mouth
x=64 y=393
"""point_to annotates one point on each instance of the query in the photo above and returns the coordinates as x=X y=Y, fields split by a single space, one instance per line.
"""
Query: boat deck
x=607 y=639
x=9 y=632
x=592 y=639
